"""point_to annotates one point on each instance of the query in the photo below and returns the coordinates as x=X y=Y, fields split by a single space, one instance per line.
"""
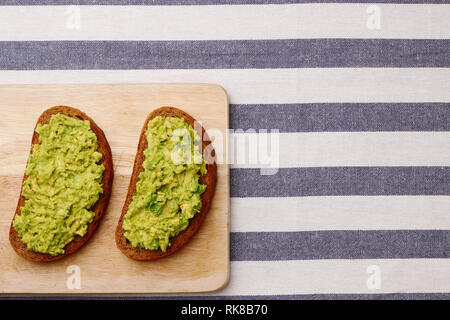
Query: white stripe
x=298 y=277
x=313 y=149
x=19 y=23
x=346 y=149
x=340 y=213
x=337 y=276
x=276 y=85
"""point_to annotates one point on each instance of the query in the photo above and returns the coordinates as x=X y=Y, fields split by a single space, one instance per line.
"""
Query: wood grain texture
x=120 y=110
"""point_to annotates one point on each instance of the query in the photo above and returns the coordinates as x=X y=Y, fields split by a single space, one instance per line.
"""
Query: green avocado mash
x=63 y=183
x=168 y=191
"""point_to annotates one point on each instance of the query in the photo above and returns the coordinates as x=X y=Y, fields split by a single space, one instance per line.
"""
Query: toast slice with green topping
x=67 y=179
x=158 y=201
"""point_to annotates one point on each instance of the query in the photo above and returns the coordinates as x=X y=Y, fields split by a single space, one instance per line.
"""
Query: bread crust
x=99 y=207
x=209 y=179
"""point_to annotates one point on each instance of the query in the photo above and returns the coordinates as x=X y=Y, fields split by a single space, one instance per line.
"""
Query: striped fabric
x=359 y=91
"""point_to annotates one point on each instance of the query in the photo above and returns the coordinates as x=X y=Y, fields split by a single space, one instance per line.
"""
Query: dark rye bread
x=99 y=208
x=209 y=179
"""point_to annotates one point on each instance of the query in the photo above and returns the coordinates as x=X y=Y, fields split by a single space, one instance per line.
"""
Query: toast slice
x=208 y=179
x=99 y=207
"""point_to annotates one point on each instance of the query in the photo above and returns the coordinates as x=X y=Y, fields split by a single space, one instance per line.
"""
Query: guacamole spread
x=168 y=192
x=63 y=182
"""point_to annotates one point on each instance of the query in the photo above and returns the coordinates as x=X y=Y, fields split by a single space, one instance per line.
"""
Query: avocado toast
x=167 y=201
x=66 y=187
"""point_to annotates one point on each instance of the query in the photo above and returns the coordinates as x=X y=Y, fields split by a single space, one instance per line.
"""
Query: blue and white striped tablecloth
x=359 y=90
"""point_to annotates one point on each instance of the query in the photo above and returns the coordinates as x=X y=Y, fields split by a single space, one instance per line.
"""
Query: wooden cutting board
x=120 y=110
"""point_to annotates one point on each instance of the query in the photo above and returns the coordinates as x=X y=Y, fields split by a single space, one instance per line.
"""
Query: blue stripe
x=334 y=181
x=199 y=2
x=392 y=296
x=339 y=244
x=242 y=54
x=387 y=296
x=316 y=117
